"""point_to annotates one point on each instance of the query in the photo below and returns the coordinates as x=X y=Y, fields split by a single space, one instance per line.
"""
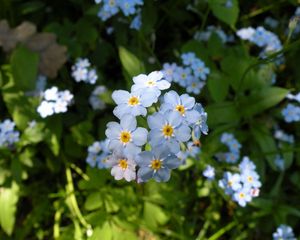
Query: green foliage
x=48 y=191
x=8 y=205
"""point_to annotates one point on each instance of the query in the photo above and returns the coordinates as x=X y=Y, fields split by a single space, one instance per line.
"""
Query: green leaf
x=234 y=65
x=54 y=131
x=8 y=206
x=262 y=99
x=222 y=113
x=217 y=86
x=228 y=15
x=132 y=65
x=81 y=134
x=105 y=232
x=266 y=142
x=24 y=65
x=93 y=201
x=154 y=215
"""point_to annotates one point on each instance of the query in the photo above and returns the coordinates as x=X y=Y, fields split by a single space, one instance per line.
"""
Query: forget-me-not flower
x=125 y=135
x=156 y=164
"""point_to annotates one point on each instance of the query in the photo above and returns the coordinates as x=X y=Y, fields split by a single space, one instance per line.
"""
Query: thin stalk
x=222 y=231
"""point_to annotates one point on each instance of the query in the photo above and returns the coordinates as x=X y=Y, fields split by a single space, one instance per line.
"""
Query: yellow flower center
x=125 y=137
x=123 y=164
x=156 y=164
x=194 y=85
x=151 y=83
x=250 y=179
x=167 y=130
x=242 y=195
x=112 y=2
x=183 y=76
x=229 y=183
x=180 y=109
x=133 y=101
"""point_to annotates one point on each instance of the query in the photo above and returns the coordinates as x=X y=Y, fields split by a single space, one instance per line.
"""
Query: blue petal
x=174 y=118
x=138 y=110
x=172 y=162
x=145 y=173
x=183 y=133
x=155 y=137
x=173 y=145
x=155 y=121
x=139 y=136
x=187 y=101
x=128 y=122
x=172 y=98
x=113 y=130
x=120 y=96
x=121 y=110
x=162 y=175
x=144 y=158
x=192 y=116
x=148 y=98
x=131 y=150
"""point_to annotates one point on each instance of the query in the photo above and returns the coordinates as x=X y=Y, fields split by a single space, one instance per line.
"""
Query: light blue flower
x=200 y=125
x=156 y=164
x=231 y=157
x=167 y=129
x=209 y=172
x=246 y=164
x=242 y=196
x=200 y=70
x=181 y=76
x=136 y=22
x=153 y=83
x=226 y=138
x=283 y=136
x=194 y=85
x=123 y=165
x=284 y=232
x=188 y=58
x=126 y=135
x=128 y=7
x=134 y=103
x=246 y=33
x=230 y=182
x=111 y=6
x=234 y=146
x=279 y=162
x=291 y=113
x=8 y=136
x=250 y=179
x=228 y=4
x=192 y=149
x=168 y=70
x=183 y=104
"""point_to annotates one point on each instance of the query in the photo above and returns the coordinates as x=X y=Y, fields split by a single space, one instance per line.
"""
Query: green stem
x=80 y=172
x=222 y=231
x=203 y=231
x=56 y=226
x=72 y=201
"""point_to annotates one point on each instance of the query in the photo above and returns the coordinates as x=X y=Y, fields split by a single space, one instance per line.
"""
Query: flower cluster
x=54 y=101
x=209 y=172
x=242 y=186
x=191 y=75
x=95 y=98
x=262 y=38
x=284 y=232
x=98 y=153
x=283 y=136
x=234 y=148
x=82 y=71
x=153 y=148
x=8 y=134
x=205 y=35
x=291 y=113
x=110 y=8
